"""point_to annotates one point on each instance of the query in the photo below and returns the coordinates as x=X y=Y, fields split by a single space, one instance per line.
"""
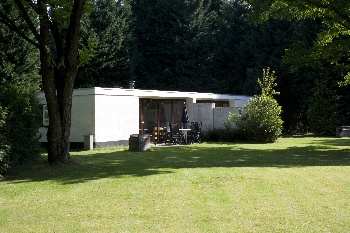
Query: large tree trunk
x=59 y=103
x=58 y=77
x=58 y=88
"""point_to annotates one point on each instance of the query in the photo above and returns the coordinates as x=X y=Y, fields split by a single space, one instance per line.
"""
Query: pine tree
x=174 y=44
x=107 y=26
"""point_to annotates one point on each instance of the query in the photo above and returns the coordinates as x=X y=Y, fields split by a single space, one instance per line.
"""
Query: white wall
x=221 y=114
x=202 y=112
x=83 y=117
x=109 y=118
x=241 y=102
x=211 y=117
x=116 y=118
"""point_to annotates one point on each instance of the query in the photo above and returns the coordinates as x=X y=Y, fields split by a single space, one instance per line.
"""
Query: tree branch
x=27 y=19
x=74 y=31
x=57 y=37
x=32 y=5
x=337 y=11
x=9 y=23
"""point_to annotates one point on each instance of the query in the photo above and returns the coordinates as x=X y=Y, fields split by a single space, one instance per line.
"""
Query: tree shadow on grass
x=339 y=142
x=164 y=160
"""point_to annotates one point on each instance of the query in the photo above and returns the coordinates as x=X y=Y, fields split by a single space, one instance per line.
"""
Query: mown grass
x=294 y=185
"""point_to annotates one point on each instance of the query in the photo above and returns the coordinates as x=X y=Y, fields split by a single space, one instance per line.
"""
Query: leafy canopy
x=55 y=14
x=333 y=41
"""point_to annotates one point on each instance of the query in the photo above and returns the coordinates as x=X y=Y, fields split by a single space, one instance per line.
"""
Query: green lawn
x=294 y=185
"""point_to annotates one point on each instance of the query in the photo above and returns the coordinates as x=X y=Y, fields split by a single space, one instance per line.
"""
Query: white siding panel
x=83 y=117
x=116 y=117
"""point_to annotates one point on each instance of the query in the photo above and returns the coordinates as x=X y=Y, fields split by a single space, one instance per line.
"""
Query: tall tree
x=230 y=57
x=108 y=26
x=57 y=23
x=332 y=43
x=174 y=44
x=18 y=59
x=324 y=105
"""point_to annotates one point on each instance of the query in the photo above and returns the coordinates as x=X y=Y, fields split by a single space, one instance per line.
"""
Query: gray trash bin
x=134 y=142
x=144 y=142
x=139 y=142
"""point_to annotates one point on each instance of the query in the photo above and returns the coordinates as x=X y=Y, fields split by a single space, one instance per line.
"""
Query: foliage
x=107 y=28
x=19 y=106
x=21 y=125
x=4 y=158
x=324 y=115
x=333 y=41
x=261 y=120
x=53 y=27
x=268 y=83
x=231 y=57
x=174 y=44
x=18 y=59
x=223 y=135
x=88 y=51
x=346 y=80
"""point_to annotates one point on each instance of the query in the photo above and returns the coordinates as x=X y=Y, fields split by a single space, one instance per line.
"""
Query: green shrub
x=4 y=163
x=261 y=120
x=19 y=86
x=324 y=115
x=223 y=135
x=19 y=125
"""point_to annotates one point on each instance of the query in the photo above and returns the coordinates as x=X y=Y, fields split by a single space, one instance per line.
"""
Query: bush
x=19 y=106
x=4 y=163
x=19 y=125
x=261 y=120
x=223 y=135
x=324 y=113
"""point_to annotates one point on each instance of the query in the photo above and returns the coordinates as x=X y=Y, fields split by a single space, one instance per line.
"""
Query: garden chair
x=194 y=133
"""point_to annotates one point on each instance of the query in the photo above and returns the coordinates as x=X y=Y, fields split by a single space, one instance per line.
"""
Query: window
x=45 y=116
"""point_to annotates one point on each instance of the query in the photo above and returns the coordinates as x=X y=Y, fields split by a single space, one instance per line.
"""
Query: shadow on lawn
x=162 y=160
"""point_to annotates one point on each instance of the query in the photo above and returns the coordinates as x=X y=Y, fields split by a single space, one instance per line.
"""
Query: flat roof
x=155 y=94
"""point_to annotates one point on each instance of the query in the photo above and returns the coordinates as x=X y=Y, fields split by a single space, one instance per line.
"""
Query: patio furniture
x=158 y=135
x=168 y=132
x=172 y=133
x=194 y=133
x=184 y=136
x=175 y=133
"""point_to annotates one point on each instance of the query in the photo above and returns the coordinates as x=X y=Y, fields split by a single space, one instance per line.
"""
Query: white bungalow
x=108 y=116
